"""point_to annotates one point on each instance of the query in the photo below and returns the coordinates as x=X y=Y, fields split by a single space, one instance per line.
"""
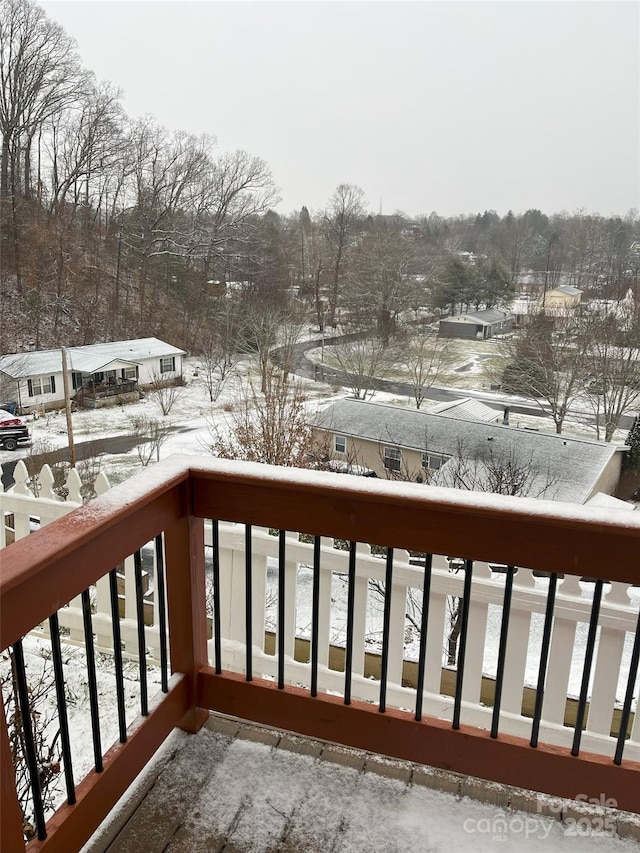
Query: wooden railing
x=51 y=567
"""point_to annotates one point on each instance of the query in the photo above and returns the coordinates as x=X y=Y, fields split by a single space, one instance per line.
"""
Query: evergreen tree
x=632 y=459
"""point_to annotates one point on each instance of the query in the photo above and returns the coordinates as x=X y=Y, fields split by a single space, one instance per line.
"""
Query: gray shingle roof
x=571 y=465
x=488 y=315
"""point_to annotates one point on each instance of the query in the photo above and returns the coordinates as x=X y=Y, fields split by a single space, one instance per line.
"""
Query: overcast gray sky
x=450 y=106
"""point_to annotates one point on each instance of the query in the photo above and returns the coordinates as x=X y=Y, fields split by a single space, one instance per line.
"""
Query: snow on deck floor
x=250 y=790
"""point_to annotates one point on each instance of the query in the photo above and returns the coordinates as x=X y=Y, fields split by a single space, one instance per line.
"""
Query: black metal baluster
x=248 y=589
x=65 y=740
x=626 y=708
x=424 y=624
x=588 y=662
x=462 y=641
x=162 y=614
x=386 y=624
x=117 y=653
x=217 y=631
x=281 y=610
x=351 y=599
x=91 y=680
x=544 y=658
x=142 y=643
x=502 y=650
x=27 y=731
x=315 y=615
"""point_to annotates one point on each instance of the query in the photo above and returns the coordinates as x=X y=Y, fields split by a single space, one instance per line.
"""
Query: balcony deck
x=236 y=787
x=250 y=520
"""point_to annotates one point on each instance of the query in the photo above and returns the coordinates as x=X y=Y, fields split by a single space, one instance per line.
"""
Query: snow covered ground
x=191 y=420
x=39 y=668
x=375 y=608
x=193 y=416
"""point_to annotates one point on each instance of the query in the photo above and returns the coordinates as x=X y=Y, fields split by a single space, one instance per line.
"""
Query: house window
x=340 y=443
x=130 y=372
x=168 y=364
x=392 y=458
x=433 y=462
x=41 y=385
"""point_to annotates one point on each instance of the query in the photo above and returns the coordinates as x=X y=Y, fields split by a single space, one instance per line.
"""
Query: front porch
x=255 y=522
x=109 y=391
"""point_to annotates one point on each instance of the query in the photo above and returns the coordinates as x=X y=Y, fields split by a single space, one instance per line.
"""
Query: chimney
x=505 y=416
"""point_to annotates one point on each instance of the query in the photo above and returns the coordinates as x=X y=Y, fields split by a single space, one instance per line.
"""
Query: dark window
x=392 y=458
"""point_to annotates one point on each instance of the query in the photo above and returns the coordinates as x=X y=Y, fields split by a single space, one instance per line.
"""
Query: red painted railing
x=43 y=572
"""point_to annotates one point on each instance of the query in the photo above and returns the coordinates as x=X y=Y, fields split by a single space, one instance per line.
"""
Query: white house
x=99 y=374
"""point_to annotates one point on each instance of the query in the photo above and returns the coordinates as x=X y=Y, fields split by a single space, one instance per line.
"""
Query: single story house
x=99 y=374
x=562 y=297
x=476 y=325
x=412 y=444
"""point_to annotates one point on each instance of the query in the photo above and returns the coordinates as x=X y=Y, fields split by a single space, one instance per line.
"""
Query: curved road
x=304 y=366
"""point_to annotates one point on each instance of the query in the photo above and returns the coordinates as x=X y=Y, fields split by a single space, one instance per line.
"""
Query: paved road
x=304 y=366
x=84 y=449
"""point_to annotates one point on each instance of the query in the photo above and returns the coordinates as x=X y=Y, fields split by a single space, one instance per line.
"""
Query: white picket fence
x=617 y=621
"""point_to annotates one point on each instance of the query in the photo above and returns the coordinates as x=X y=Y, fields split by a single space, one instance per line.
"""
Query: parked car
x=13 y=431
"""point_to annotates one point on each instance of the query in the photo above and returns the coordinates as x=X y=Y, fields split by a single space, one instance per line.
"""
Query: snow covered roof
x=488 y=315
x=571 y=466
x=608 y=501
x=566 y=289
x=466 y=409
x=85 y=359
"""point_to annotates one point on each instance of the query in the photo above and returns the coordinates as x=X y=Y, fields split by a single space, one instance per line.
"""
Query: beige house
x=419 y=446
x=561 y=298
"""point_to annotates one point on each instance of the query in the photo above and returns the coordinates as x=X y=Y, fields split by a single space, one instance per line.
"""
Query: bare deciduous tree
x=361 y=354
x=426 y=357
x=506 y=471
x=151 y=434
x=613 y=356
x=43 y=724
x=218 y=354
x=271 y=427
x=345 y=208
x=164 y=391
x=267 y=329
x=549 y=363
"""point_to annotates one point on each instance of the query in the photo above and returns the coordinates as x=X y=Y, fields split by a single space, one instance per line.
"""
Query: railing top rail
x=42 y=572
x=540 y=534
x=54 y=564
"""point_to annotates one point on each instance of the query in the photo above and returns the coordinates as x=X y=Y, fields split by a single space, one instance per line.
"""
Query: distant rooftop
x=467 y=409
x=567 y=289
x=486 y=315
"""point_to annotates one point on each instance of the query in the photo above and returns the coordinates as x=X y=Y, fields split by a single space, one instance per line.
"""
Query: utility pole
x=67 y=405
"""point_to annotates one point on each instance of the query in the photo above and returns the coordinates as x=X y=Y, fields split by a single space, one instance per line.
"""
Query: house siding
x=87 y=361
